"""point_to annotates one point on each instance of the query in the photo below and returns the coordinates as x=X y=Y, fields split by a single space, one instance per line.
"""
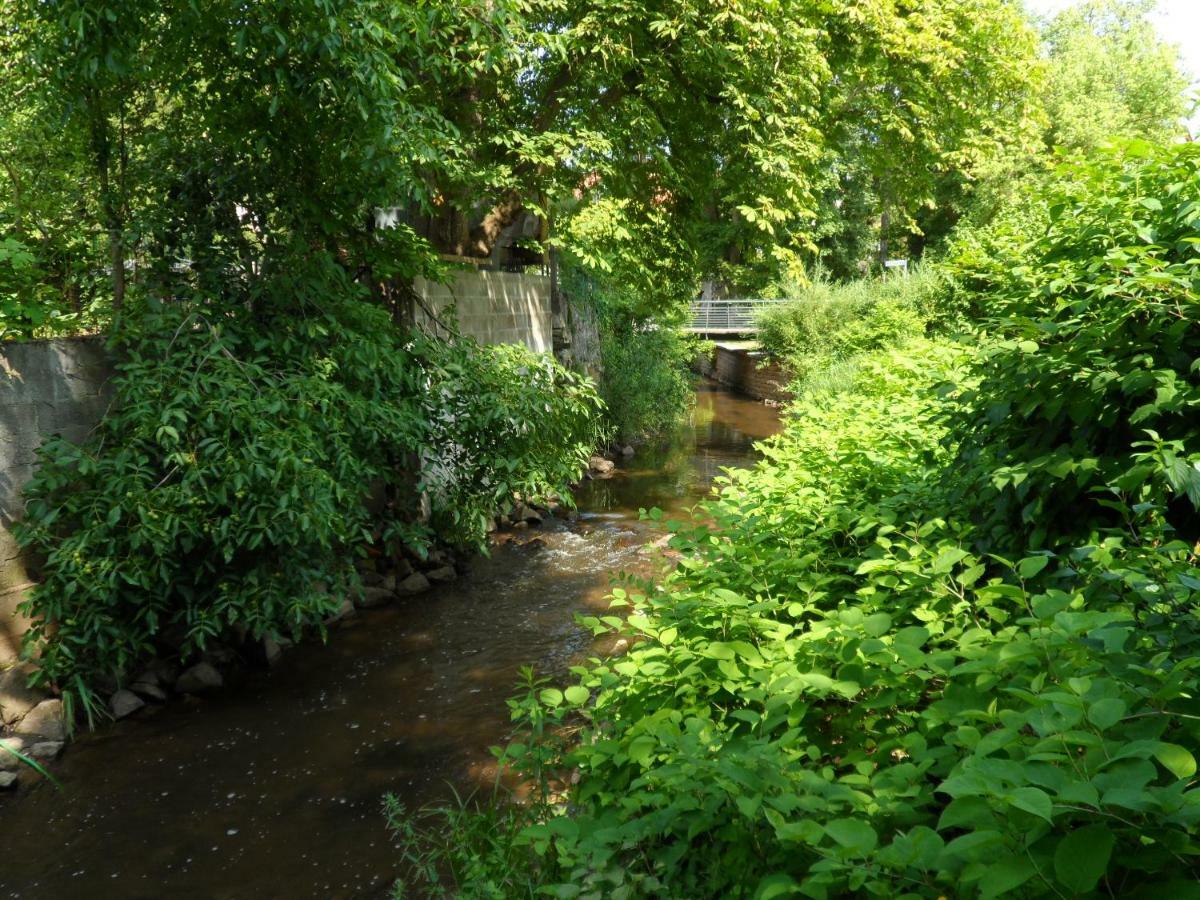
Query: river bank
x=279 y=782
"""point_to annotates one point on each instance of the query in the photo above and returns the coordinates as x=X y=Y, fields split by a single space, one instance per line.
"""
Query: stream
x=274 y=788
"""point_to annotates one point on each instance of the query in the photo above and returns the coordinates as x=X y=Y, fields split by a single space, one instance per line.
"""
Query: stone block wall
x=746 y=371
x=46 y=387
x=494 y=307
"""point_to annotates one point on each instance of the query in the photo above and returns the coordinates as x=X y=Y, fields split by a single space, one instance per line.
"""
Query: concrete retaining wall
x=494 y=307
x=747 y=371
x=46 y=387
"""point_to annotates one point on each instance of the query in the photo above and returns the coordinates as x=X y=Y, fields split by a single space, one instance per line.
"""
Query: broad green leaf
x=776 y=885
x=1081 y=858
x=1032 y=800
x=1032 y=565
x=853 y=834
x=1177 y=760
x=577 y=695
x=1106 y=713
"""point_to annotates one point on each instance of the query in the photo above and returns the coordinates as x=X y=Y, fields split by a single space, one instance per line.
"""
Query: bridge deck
x=726 y=317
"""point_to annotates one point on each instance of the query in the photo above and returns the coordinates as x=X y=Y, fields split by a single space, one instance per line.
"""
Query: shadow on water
x=274 y=789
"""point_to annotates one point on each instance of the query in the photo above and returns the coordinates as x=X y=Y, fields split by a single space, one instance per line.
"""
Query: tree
x=1109 y=75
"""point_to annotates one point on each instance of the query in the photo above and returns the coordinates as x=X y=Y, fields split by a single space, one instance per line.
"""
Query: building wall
x=493 y=307
x=46 y=387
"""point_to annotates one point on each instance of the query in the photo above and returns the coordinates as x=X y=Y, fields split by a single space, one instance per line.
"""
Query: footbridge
x=726 y=318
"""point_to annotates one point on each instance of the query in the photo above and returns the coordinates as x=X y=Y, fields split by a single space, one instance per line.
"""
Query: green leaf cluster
x=237 y=479
x=865 y=677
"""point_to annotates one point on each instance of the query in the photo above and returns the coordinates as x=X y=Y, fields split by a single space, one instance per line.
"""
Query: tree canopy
x=209 y=140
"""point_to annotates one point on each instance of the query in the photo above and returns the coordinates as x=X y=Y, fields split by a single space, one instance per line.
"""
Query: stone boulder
x=373 y=597
x=160 y=673
x=272 y=650
x=145 y=689
x=527 y=514
x=44 y=720
x=16 y=697
x=416 y=583
x=8 y=780
x=124 y=703
x=198 y=679
x=441 y=575
x=45 y=750
x=344 y=611
x=599 y=467
x=11 y=760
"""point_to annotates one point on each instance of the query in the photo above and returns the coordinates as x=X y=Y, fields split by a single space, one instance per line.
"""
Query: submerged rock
x=374 y=597
x=345 y=610
x=124 y=703
x=442 y=575
x=416 y=583
x=199 y=678
x=272 y=650
x=159 y=673
x=599 y=467
x=45 y=720
x=145 y=689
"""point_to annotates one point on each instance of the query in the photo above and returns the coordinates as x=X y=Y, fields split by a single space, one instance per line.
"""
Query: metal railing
x=726 y=316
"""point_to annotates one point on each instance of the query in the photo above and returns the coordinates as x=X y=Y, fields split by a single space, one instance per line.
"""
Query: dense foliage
x=1109 y=74
x=825 y=327
x=227 y=490
x=849 y=685
x=135 y=138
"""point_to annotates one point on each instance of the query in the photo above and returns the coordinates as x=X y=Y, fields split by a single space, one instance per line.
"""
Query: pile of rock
x=33 y=726
x=386 y=581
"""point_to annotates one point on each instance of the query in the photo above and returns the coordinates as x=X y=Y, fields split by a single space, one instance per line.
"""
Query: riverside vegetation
x=942 y=641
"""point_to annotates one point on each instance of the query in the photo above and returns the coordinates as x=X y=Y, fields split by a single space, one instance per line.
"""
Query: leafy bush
x=825 y=325
x=646 y=383
x=226 y=489
x=843 y=689
x=1090 y=394
x=645 y=361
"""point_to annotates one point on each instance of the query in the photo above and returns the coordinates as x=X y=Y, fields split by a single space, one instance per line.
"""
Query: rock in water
x=46 y=750
x=145 y=689
x=373 y=597
x=272 y=651
x=160 y=673
x=8 y=780
x=199 y=678
x=627 y=451
x=415 y=583
x=601 y=467
x=125 y=703
x=442 y=575
x=45 y=720
x=344 y=611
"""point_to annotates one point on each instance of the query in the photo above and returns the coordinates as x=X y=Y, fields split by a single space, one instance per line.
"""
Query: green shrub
x=646 y=381
x=845 y=690
x=822 y=328
x=1090 y=395
x=645 y=360
x=226 y=489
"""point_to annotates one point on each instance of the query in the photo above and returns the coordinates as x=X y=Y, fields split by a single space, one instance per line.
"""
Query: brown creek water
x=274 y=788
